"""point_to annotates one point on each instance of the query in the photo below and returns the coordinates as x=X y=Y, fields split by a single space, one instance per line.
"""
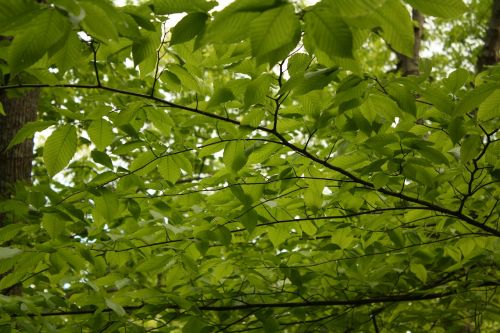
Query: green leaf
x=233 y=27
x=313 y=198
x=210 y=147
x=71 y=6
x=251 y=6
x=298 y=63
x=101 y=158
x=188 y=28
x=277 y=236
x=314 y=80
x=453 y=252
x=433 y=155
x=257 y=90
x=9 y=231
x=456 y=129
x=234 y=155
x=249 y=220
x=33 y=43
x=466 y=246
x=143 y=163
x=347 y=161
x=418 y=173
x=16 y=15
x=183 y=162
x=456 y=79
x=117 y=308
x=342 y=237
x=380 y=180
x=221 y=95
x=490 y=107
x=69 y=53
x=28 y=130
x=270 y=324
x=101 y=133
x=442 y=8
x=253 y=118
x=107 y=205
x=396 y=237
x=2 y=111
x=103 y=178
x=59 y=148
x=420 y=271
x=161 y=121
x=354 y=8
x=98 y=23
x=245 y=199
x=475 y=97
x=169 y=170
x=308 y=227
x=164 y=7
x=194 y=324
x=154 y=264
x=470 y=147
x=53 y=224
x=313 y=195
x=145 y=47
x=274 y=29
x=405 y=100
x=134 y=208
x=142 y=17
x=233 y=22
x=439 y=98
x=397 y=27
x=9 y=252
x=328 y=32
x=187 y=79
x=223 y=235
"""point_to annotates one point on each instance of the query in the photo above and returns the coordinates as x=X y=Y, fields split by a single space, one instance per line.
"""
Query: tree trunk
x=490 y=53
x=15 y=163
x=407 y=65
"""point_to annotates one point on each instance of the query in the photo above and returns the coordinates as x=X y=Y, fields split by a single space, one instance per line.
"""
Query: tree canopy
x=262 y=167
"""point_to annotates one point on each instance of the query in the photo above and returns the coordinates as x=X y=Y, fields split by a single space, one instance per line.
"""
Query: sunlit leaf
x=59 y=148
x=444 y=8
x=188 y=28
x=28 y=130
x=274 y=29
x=169 y=169
x=328 y=32
x=164 y=7
x=32 y=44
x=470 y=147
x=98 y=23
x=101 y=133
x=8 y=252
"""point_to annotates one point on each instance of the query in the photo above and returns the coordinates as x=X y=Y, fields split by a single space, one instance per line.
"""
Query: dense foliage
x=252 y=169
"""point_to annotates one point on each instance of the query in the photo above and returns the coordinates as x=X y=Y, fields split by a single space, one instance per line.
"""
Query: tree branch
x=250 y=306
x=284 y=142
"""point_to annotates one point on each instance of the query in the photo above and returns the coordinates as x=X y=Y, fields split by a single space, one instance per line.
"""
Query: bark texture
x=490 y=53
x=15 y=163
x=409 y=65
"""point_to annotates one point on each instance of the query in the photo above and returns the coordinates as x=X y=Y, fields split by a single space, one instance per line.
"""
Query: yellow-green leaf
x=439 y=8
x=273 y=29
x=59 y=148
x=117 y=308
x=169 y=169
x=101 y=133
x=420 y=271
